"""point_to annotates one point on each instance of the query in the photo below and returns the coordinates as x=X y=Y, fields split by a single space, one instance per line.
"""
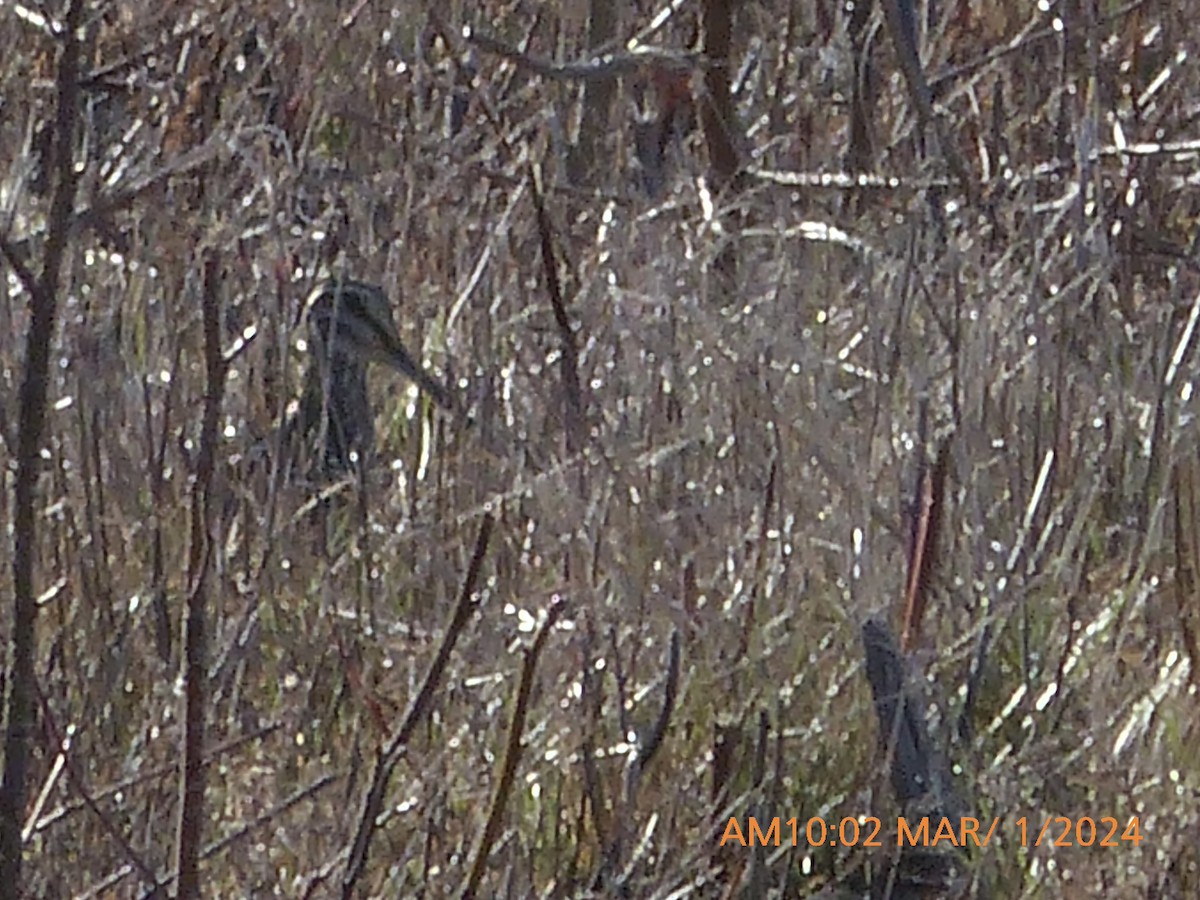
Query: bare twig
x=512 y=751
x=719 y=122
x=96 y=216
x=17 y=264
x=601 y=68
x=156 y=453
x=590 y=701
x=239 y=834
x=133 y=859
x=726 y=741
x=144 y=776
x=923 y=554
x=899 y=16
x=391 y=755
x=1022 y=42
x=653 y=741
x=573 y=399
x=639 y=762
x=195 y=632
x=19 y=705
x=1187 y=556
x=718 y=115
x=597 y=100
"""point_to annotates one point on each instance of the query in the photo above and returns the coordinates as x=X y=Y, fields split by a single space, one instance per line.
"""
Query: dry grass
x=742 y=479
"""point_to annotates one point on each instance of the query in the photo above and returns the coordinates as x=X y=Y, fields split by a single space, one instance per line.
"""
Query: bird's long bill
x=395 y=355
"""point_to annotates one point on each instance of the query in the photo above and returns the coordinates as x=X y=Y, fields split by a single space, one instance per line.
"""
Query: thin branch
x=195 y=633
x=653 y=741
x=899 y=17
x=19 y=706
x=420 y=707
x=923 y=554
x=24 y=274
x=600 y=68
x=569 y=367
x=133 y=859
x=718 y=116
x=644 y=752
x=97 y=215
x=152 y=774
x=590 y=702
x=512 y=750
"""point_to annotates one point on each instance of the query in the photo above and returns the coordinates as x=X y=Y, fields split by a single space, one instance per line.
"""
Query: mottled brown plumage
x=350 y=325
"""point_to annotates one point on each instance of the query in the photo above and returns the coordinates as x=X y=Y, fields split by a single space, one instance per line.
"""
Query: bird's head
x=359 y=318
x=353 y=321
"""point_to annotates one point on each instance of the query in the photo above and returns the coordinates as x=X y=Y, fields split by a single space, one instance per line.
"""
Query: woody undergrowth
x=731 y=449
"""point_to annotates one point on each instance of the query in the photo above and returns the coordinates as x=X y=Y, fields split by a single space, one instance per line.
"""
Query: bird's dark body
x=349 y=427
x=350 y=324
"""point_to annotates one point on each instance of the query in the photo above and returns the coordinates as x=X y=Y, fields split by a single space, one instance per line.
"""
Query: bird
x=350 y=324
x=921 y=776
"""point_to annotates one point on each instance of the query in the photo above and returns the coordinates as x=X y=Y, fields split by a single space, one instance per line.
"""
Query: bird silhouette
x=350 y=325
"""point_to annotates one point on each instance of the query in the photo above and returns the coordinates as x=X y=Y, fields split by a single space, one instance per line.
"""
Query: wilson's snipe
x=350 y=324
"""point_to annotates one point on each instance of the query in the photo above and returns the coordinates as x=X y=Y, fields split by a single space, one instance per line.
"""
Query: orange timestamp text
x=870 y=831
